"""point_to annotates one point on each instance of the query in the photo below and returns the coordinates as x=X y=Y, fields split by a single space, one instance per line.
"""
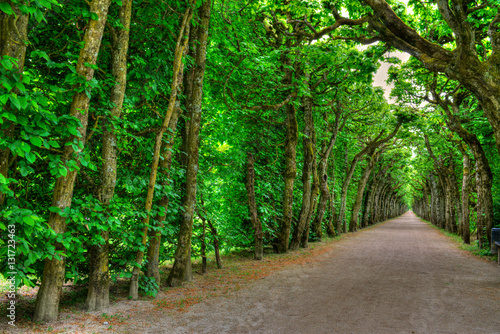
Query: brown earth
x=402 y=276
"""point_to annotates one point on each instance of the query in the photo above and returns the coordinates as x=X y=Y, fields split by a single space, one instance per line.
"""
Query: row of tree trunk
x=47 y=302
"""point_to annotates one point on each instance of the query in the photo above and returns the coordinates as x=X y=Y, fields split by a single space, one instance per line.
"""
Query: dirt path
x=400 y=277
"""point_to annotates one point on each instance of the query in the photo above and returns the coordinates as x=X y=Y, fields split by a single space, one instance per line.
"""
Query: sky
x=381 y=75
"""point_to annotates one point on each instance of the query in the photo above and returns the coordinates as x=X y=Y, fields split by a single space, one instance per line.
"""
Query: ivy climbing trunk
x=183 y=251
x=13 y=42
x=179 y=52
x=252 y=206
x=98 y=292
x=47 y=299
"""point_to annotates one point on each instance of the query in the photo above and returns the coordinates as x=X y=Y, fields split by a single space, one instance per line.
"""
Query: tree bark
x=182 y=253
x=98 y=293
x=47 y=299
x=290 y=173
x=307 y=171
x=252 y=206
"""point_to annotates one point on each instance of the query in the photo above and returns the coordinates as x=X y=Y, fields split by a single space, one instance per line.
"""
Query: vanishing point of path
x=400 y=277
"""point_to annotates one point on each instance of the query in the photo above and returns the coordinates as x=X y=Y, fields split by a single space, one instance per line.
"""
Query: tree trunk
x=330 y=229
x=323 y=186
x=47 y=299
x=13 y=41
x=290 y=173
x=182 y=253
x=307 y=171
x=98 y=293
x=361 y=188
x=179 y=52
x=304 y=243
x=252 y=206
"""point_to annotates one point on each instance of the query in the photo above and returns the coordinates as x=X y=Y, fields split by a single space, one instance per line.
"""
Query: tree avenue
x=137 y=137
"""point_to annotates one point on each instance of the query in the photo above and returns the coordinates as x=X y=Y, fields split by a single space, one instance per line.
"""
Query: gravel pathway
x=400 y=277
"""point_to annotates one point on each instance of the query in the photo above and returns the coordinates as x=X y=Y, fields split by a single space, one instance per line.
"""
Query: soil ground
x=402 y=276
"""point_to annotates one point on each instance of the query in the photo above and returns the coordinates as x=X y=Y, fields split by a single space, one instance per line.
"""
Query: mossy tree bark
x=47 y=300
x=98 y=293
x=183 y=251
x=291 y=140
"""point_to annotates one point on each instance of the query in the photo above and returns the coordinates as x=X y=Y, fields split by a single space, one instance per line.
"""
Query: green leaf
x=29 y=220
x=31 y=157
x=36 y=141
x=25 y=147
x=13 y=99
x=63 y=171
x=94 y=16
x=53 y=143
x=74 y=131
x=5 y=7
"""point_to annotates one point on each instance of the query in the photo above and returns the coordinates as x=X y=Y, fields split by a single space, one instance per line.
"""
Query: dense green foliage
x=262 y=58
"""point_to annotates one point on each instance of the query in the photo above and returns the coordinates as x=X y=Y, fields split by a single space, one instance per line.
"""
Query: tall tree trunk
x=330 y=229
x=252 y=206
x=183 y=251
x=98 y=293
x=179 y=52
x=47 y=299
x=307 y=171
x=13 y=41
x=289 y=175
x=323 y=185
